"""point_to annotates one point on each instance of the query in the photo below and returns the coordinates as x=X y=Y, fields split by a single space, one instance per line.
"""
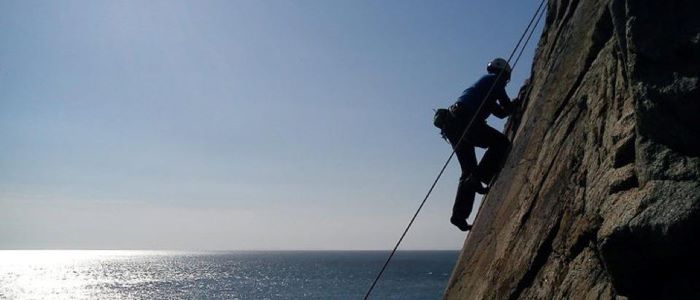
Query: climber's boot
x=461 y=224
x=475 y=184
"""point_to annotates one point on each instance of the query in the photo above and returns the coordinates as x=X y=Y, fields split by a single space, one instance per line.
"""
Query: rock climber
x=479 y=135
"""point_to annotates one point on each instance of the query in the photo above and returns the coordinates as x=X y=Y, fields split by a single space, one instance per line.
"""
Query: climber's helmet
x=498 y=65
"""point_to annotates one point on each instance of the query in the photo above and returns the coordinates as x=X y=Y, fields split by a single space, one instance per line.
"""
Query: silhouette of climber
x=479 y=135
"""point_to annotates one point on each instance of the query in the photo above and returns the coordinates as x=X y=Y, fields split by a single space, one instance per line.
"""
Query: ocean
x=102 y=274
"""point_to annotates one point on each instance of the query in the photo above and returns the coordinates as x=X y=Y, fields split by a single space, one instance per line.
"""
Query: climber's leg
x=464 y=199
x=497 y=144
x=466 y=158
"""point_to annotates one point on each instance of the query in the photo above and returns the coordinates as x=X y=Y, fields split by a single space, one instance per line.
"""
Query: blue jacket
x=473 y=96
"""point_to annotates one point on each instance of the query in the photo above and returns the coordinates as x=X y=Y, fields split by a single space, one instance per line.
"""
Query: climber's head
x=498 y=65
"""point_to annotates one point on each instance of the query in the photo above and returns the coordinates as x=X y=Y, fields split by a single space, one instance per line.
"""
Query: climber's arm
x=503 y=98
x=504 y=107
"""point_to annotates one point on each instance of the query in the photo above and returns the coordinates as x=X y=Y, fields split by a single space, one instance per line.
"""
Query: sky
x=237 y=125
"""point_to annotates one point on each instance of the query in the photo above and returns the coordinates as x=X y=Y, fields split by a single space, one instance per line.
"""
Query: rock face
x=600 y=195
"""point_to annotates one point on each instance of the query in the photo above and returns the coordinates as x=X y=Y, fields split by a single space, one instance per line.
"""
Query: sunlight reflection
x=65 y=274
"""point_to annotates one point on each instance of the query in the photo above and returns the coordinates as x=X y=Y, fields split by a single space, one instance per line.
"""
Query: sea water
x=99 y=274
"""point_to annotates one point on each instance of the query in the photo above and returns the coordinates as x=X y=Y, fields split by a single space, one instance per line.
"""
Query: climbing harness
x=540 y=11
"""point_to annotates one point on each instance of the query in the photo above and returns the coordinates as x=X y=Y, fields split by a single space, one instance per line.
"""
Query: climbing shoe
x=461 y=224
x=475 y=184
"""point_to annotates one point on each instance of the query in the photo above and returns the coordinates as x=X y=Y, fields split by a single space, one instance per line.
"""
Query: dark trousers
x=483 y=136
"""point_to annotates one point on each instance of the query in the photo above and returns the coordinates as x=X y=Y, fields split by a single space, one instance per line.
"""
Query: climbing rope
x=442 y=170
x=522 y=49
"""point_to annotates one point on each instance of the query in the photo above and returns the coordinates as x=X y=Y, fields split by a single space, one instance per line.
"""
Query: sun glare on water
x=65 y=274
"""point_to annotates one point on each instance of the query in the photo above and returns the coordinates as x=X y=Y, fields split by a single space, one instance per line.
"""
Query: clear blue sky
x=236 y=124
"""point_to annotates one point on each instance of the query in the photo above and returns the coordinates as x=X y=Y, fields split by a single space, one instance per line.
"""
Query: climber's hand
x=515 y=104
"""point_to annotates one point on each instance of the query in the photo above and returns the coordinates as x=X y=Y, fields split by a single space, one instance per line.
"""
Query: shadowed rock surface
x=600 y=196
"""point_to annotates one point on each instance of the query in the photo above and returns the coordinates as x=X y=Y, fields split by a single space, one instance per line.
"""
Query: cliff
x=599 y=197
